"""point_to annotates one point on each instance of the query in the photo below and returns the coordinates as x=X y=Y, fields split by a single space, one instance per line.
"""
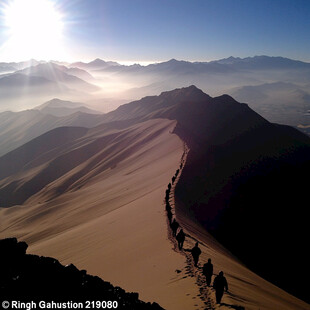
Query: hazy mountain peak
x=227 y=61
x=58 y=107
x=175 y=61
x=262 y=62
x=97 y=61
x=58 y=103
x=225 y=98
x=172 y=60
x=190 y=92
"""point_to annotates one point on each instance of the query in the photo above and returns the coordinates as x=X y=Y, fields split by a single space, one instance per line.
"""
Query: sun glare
x=34 y=29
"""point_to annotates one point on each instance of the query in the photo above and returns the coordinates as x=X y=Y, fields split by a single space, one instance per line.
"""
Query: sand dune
x=114 y=224
x=18 y=128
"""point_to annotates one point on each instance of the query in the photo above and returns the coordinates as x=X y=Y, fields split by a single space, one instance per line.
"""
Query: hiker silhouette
x=195 y=253
x=174 y=226
x=168 y=207
x=180 y=238
x=169 y=215
x=208 y=271
x=219 y=284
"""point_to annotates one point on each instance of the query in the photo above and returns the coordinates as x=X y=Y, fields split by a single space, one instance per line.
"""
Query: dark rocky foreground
x=32 y=278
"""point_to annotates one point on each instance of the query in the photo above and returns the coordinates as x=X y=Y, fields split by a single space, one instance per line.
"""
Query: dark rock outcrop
x=28 y=278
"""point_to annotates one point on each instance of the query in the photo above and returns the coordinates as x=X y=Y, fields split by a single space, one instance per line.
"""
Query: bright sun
x=34 y=29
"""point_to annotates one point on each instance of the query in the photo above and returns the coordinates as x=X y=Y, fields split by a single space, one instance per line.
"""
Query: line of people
x=220 y=283
x=174 y=225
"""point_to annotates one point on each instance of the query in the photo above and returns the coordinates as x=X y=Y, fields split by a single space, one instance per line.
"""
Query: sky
x=156 y=30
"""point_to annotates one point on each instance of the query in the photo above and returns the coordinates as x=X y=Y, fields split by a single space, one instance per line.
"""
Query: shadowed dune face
x=69 y=153
x=18 y=128
x=245 y=183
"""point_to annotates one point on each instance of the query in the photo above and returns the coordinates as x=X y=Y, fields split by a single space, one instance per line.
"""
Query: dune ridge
x=112 y=223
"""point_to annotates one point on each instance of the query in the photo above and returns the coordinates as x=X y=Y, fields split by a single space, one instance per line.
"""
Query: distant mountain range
x=96 y=64
x=262 y=62
x=40 y=82
x=245 y=79
x=172 y=66
x=61 y=108
x=279 y=102
x=13 y=66
x=265 y=83
x=60 y=74
x=17 y=128
x=222 y=65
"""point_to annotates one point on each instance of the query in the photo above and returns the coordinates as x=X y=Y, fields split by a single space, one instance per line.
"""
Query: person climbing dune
x=169 y=215
x=174 y=226
x=180 y=238
x=219 y=284
x=208 y=271
x=195 y=253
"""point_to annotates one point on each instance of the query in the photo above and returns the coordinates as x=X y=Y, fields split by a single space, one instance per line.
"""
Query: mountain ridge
x=60 y=107
x=18 y=128
x=57 y=73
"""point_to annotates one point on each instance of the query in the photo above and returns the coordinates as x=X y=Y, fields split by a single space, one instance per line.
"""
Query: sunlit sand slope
x=105 y=213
